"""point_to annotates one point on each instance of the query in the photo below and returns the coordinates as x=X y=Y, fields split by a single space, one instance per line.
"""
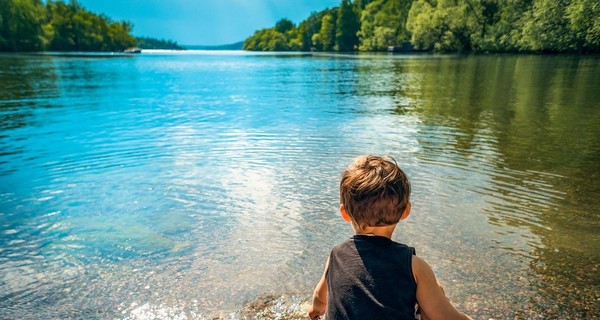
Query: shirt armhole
x=410 y=258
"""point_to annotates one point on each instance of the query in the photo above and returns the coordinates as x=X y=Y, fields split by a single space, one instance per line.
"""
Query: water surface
x=187 y=185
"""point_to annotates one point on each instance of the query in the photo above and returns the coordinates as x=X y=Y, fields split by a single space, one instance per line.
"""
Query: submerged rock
x=277 y=307
x=272 y=307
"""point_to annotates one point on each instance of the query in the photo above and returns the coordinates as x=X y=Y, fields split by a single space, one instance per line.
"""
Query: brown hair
x=374 y=191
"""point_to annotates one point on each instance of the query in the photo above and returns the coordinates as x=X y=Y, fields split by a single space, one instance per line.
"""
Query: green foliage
x=284 y=25
x=367 y=25
x=562 y=25
x=360 y=5
x=29 y=25
x=151 y=43
x=583 y=17
x=21 y=25
x=265 y=40
x=546 y=27
x=503 y=24
x=346 y=28
x=383 y=24
x=506 y=25
x=309 y=28
x=77 y=29
x=325 y=39
x=283 y=37
x=443 y=25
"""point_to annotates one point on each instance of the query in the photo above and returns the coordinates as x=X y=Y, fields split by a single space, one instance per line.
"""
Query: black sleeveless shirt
x=370 y=277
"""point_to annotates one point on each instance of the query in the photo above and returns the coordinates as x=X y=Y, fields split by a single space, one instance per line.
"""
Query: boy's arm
x=431 y=298
x=319 y=302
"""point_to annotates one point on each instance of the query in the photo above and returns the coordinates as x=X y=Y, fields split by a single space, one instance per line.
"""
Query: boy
x=369 y=276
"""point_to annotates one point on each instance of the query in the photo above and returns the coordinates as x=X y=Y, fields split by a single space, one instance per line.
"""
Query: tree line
x=441 y=26
x=31 y=25
x=152 y=43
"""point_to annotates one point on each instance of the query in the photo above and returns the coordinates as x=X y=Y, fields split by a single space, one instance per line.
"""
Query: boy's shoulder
x=366 y=241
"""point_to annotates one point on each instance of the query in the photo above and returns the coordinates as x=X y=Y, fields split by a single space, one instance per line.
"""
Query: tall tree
x=284 y=25
x=119 y=35
x=503 y=26
x=309 y=27
x=325 y=39
x=347 y=27
x=306 y=29
x=61 y=20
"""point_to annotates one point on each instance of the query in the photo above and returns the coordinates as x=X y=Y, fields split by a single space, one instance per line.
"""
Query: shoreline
x=352 y=54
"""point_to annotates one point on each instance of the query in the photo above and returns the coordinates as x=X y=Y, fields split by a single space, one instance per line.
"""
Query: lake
x=191 y=184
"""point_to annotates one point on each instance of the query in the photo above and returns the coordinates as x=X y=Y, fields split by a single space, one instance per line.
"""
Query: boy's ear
x=344 y=213
x=406 y=212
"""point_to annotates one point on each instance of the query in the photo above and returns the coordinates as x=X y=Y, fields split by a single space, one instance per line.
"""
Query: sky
x=204 y=22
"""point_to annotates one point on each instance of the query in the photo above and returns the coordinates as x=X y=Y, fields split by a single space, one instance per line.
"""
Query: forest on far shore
x=441 y=26
x=31 y=25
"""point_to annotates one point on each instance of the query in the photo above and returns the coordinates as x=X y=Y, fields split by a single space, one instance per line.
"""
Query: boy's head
x=374 y=191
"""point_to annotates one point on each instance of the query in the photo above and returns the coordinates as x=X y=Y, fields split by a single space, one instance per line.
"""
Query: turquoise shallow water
x=188 y=184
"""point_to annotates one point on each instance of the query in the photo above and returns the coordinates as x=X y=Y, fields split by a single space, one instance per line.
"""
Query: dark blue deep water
x=186 y=185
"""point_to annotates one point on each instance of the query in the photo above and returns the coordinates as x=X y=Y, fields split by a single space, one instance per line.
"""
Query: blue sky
x=208 y=22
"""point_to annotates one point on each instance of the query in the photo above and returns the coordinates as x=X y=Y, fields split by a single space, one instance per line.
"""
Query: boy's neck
x=383 y=231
